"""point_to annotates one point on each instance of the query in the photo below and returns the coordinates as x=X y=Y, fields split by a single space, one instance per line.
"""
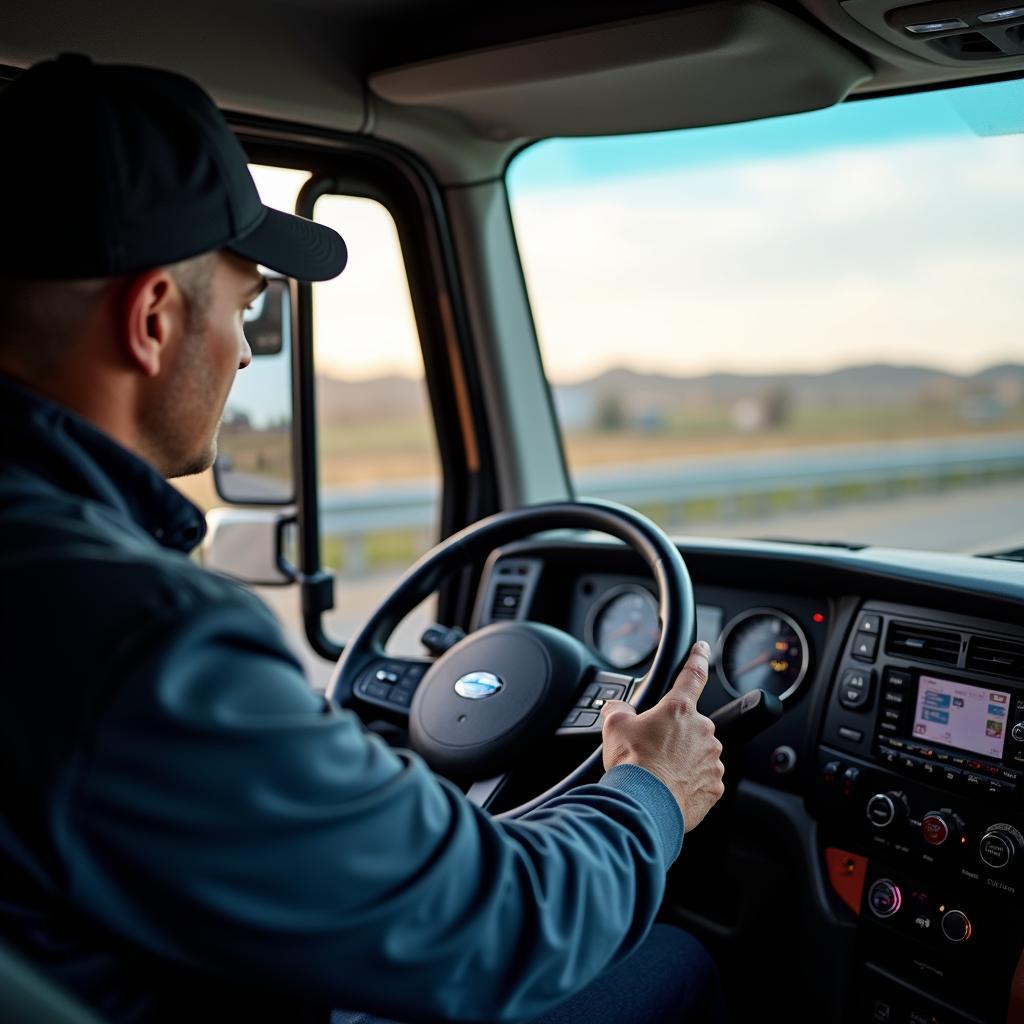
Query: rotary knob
x=956 y=926
x=999 y=845
x=884 y=898
x=938 y=827
x=885 y=809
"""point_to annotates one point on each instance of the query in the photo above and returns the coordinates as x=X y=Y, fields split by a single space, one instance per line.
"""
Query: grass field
x=383 y=450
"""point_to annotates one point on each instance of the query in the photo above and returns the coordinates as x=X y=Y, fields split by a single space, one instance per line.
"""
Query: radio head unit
x=971 y=718
x=951 y=731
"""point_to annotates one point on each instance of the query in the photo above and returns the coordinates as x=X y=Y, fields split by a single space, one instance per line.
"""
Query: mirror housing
x=249 y=545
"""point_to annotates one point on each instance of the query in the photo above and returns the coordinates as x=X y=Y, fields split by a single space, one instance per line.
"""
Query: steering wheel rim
x=676 y=607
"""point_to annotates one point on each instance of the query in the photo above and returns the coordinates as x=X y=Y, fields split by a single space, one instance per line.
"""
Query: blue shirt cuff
x=656 y=798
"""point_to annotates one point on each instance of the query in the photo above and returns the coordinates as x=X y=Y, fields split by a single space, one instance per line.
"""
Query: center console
x=920 y=797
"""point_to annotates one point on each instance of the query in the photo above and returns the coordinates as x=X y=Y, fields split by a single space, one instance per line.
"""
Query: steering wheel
x=482 y=705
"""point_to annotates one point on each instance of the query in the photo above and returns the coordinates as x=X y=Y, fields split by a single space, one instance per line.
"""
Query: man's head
x=133 y=234
x=149 y=357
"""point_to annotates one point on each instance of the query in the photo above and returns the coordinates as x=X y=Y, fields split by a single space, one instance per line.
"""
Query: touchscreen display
x=968 y=717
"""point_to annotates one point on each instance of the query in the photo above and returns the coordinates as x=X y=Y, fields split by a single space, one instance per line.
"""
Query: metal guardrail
x=816 y=475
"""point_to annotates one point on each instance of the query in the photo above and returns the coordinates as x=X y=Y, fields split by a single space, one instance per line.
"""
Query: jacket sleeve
x=226 y=816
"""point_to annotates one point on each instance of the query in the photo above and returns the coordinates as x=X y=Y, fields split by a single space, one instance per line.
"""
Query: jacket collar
x=52 y=442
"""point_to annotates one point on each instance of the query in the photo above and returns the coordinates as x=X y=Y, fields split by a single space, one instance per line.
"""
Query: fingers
x=614 y=707
x=693 y=676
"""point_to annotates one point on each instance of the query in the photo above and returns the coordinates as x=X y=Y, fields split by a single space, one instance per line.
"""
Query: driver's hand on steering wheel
x=672 y=740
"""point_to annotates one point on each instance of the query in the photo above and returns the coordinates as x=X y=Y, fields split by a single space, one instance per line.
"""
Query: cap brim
x=294 y=246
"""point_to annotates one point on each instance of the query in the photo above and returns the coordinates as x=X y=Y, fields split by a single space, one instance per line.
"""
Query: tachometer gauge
x=762 y=649
x=624 y=627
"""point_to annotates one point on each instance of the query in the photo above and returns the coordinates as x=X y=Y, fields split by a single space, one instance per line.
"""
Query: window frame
x=341 y=165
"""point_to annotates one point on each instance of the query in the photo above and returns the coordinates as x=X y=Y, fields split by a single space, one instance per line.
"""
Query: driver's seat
x=29 y=997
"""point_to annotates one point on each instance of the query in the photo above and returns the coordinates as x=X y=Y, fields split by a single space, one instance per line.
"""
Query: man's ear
x=152 y=315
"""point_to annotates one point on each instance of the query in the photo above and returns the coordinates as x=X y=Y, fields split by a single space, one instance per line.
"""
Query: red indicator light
x=818 y=617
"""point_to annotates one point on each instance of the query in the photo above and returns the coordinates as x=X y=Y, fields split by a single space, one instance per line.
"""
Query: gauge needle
x=624 y=629
x=759 y=660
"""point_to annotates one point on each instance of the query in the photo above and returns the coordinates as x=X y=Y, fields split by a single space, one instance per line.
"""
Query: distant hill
x=390 y=397
x=873 y=384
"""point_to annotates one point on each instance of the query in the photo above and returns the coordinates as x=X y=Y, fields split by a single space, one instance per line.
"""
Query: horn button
x=504 y=686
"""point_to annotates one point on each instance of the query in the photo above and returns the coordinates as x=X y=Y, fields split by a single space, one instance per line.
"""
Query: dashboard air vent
x=507 y=598
x=997 y=657
x=908 y=640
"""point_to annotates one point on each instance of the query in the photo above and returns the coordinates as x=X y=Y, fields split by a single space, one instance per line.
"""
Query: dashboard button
x=585 y=719
x=949 y=776
x=1017 y=733
x=855 y=688
x=935 y=828
x=881 y=810
x=869 y=624
x=884 y=898
x=864 y=646
x=996 y=849
x=956 y=926
x=853 y=735
x=897 y=679
x=894 y=699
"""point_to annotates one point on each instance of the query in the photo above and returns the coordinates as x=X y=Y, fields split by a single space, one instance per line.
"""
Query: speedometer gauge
x=763 y=649
x=624 y=627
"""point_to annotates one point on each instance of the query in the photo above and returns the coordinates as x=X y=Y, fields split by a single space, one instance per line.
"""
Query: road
x=970 y=520
x=973 y=521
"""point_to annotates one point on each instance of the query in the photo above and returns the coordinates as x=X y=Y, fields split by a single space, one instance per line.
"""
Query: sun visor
x=711 y=64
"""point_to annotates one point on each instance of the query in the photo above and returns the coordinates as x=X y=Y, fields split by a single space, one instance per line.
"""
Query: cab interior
x=866 y=862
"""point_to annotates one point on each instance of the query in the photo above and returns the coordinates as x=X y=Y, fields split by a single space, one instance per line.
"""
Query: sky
x=880 y=230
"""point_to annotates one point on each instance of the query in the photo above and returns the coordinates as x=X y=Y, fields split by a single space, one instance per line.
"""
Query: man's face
x=183 y=420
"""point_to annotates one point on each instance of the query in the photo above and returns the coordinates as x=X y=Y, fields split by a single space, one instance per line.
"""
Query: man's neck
x=97 y=397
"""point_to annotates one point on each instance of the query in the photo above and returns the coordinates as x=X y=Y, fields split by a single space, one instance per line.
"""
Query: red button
x=934 y=829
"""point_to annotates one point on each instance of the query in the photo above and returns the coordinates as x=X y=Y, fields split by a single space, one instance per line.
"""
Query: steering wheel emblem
x=478 y=685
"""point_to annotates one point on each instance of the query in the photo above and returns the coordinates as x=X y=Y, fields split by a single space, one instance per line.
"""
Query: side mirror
x=254 y=447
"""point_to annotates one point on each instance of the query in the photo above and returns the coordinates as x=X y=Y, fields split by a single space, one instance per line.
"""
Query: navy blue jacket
x=187 y=827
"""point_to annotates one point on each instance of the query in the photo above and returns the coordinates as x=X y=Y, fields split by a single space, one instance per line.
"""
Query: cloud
x=901 y=253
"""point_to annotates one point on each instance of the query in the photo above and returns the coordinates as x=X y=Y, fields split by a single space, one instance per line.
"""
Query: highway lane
x=969 y=520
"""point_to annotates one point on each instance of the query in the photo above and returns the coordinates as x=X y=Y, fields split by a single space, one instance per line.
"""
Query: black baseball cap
x=109 y=169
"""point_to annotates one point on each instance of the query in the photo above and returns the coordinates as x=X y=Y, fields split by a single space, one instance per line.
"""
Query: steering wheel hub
x=463 y=724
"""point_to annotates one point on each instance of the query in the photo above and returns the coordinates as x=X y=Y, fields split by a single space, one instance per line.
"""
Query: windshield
x=808 y=327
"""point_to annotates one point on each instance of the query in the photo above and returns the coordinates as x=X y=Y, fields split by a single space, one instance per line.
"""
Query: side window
x=380 y=474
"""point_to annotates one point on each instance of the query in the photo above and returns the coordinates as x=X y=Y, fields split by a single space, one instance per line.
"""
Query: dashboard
x=887 y=802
